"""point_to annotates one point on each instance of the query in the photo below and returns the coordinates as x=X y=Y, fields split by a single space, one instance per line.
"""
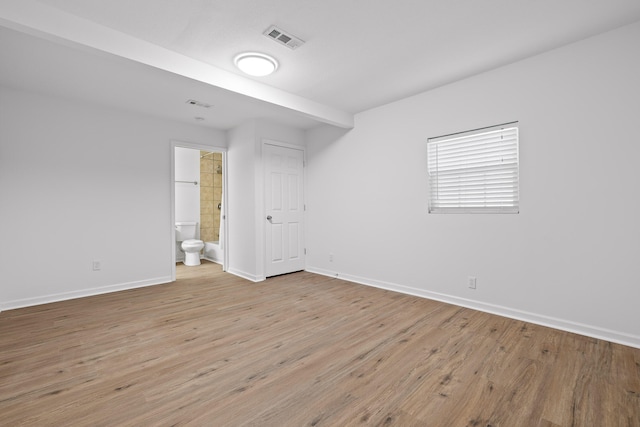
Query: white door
x=284 y=200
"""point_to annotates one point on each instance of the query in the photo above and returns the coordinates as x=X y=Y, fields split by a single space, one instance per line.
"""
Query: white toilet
x=186 y=233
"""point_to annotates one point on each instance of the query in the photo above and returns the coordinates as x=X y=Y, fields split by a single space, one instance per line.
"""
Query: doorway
x=198 y=196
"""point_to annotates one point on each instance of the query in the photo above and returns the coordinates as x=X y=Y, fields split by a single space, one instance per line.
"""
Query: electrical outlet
x=97 y=265
x=330 y=256
x=472 y=282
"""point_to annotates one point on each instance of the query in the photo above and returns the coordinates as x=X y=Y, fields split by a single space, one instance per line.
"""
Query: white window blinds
x=474 y=172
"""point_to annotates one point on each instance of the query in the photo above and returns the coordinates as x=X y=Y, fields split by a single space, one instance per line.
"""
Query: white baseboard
x=551 y=322
x=246 y=275
x=28 y=302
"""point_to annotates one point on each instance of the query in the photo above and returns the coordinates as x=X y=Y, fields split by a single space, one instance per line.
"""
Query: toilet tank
x=186 y=230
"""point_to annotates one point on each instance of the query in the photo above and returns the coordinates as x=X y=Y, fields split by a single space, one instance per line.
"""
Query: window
x=475 y=171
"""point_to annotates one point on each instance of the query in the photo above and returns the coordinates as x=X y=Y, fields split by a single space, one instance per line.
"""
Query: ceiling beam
x=41 y=20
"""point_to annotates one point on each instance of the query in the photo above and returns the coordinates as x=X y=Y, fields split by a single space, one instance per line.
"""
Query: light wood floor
x=300 y=350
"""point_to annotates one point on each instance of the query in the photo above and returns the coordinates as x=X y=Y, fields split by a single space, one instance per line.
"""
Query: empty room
x=319 y=213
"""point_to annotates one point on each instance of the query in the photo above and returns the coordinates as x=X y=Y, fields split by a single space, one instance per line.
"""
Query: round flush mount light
x=256 y=64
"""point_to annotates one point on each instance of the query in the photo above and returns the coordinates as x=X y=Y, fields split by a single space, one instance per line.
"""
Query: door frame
x=172 y=192
x=262 y=202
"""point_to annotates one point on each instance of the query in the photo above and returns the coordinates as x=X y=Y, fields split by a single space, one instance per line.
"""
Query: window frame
x=435 y=206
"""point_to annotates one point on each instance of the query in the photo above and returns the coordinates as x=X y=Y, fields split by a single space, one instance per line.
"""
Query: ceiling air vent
x=198 y=103
x=282 y=37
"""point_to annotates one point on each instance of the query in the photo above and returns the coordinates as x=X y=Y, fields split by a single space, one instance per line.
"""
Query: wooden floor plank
x=300 y=350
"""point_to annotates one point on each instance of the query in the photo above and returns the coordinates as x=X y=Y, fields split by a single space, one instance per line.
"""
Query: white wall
x=241 y=201
x=187 y=169
x=569 y=259
x=80 y=182
x=246 y=193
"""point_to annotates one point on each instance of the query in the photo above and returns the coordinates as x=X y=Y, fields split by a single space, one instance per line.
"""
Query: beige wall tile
x=206 y=180
x=207 y=234
x=206 y=221
x=205 y=195
x=208 y=207
x=206 y=165
x=210 y=196
x=217 y=180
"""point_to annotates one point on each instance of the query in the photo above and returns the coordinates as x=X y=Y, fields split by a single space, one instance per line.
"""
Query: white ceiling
x=359 y=54
x=32 y=63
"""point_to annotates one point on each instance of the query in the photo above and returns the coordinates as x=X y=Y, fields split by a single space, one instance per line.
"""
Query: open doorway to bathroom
x=198 y=199
x=211 y=223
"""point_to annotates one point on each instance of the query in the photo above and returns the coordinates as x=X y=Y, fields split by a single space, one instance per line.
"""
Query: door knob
x=269 y=217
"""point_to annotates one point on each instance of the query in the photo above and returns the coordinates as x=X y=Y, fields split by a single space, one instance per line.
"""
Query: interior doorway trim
x=172 y=191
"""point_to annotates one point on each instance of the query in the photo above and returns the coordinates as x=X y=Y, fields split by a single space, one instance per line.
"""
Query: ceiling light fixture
x=256 y=64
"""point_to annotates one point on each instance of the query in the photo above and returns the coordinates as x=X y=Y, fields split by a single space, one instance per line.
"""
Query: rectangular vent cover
x=198 y=103
x=282 y=37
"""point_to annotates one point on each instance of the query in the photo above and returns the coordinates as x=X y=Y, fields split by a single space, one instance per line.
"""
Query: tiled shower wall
x=210 y=195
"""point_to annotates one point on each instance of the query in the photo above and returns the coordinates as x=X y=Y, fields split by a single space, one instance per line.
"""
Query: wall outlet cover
x=472 y=282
